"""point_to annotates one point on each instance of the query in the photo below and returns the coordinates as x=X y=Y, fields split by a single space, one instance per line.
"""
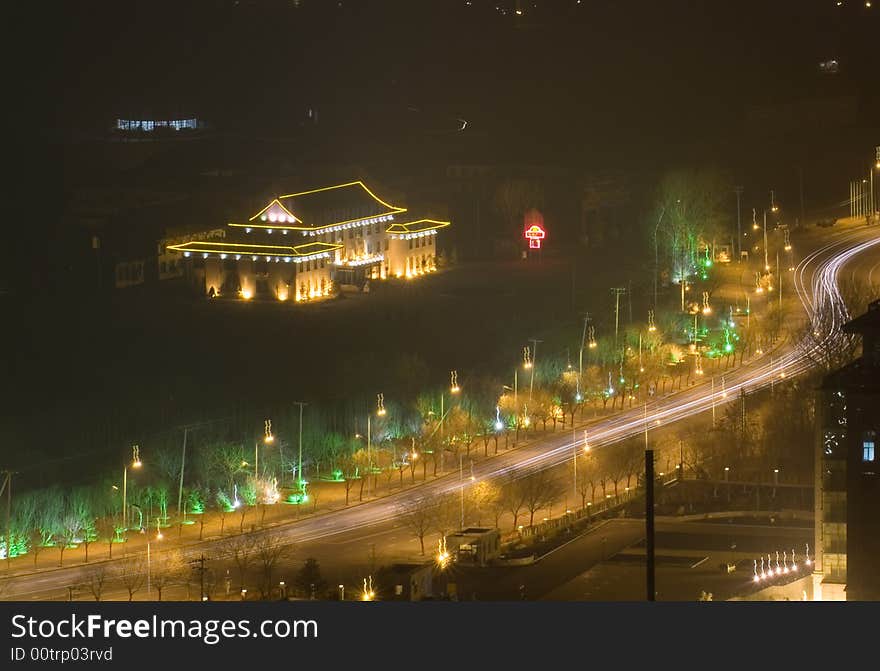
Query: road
x=815 y=281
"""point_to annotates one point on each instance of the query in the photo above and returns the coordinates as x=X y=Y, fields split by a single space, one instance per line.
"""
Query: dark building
x=848 y=474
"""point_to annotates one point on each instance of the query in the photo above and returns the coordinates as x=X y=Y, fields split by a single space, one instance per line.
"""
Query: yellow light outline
x=281 y=205
x=284 y=250
x=404 y=228
x=316 y=228
x=395 y=208
x=392 y=209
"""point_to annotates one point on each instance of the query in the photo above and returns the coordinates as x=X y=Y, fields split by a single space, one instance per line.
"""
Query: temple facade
x=304 y=246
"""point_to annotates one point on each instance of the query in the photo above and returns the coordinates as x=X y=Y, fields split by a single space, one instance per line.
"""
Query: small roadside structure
x=406 y=582
x=475 y=545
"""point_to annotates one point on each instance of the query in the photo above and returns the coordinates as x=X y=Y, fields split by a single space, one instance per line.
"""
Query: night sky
x=604 y=74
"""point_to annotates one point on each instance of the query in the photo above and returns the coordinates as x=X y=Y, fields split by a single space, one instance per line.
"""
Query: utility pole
x=201 y=567
x=182 y=464
x=461 y=487
x=656 y=255
x=681 y=459
x=739 y=191
x=617 y=291
x=299 y=473
x=574 y=450
x=766 y=263
x=581 y=354
x=779 y=275
x=629 y=303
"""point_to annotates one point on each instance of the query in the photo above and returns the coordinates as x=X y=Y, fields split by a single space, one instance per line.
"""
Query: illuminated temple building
x=303 y=246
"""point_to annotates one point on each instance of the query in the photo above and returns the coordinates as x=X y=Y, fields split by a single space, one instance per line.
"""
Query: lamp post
x=574 y=451
x=461 y=488
x=656 y=255
x=581 y=353
x=380 y=411
x=533 y=360
x=135 y=463
x=766 y=263
x=299 y=473
x=149 y=569
x=876 y=166
x=268 y=439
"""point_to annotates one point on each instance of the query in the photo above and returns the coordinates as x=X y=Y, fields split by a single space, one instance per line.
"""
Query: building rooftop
x=419 y=226
x=870 y=321
x=857 y=376
x=318 y=208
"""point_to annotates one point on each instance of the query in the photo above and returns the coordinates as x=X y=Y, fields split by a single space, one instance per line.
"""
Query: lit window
x=868 y=450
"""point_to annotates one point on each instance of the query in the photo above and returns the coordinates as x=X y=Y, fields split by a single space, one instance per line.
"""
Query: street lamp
x=533 y=358
x=159 y=537
x=299 y=468
x=135 y=463
x=656 y=259
x=268 y=438
x=380 y=411
x=368 y=594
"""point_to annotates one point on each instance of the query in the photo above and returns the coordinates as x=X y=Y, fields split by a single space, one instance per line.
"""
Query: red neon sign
x=534 y=234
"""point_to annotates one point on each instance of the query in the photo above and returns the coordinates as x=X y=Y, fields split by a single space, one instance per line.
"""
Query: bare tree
x=35 y=543
x=418 y=517
x=132 y=572
x=447 y=513
x=540 y=490
x=69 y=526
x=167 y=569
x=513 y=494
x=269 y=550
x=586 y=478
x=350 y=474
x=241 y=550
x=633 y=459
x=95 y=581
x=480 y=497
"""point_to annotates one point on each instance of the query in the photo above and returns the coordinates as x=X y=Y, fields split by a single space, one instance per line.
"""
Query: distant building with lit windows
x=847 y=527
x=303 y=246
x=150 y=125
